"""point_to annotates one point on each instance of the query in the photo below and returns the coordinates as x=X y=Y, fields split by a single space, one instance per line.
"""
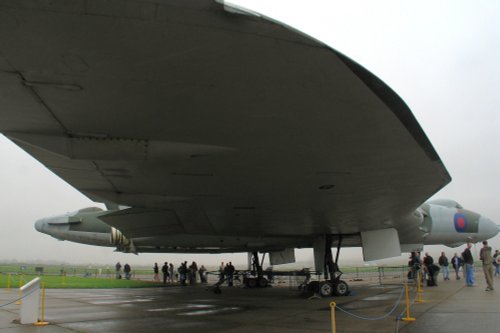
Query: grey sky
x=441 y=57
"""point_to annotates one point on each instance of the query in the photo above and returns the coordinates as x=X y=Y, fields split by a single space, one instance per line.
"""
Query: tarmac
x=448 y=307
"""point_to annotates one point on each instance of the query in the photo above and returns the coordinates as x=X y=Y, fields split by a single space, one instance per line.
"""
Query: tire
x=262 y=282
x=313 y=286
x=341 y=289
x=251 y=283
x=325 y=289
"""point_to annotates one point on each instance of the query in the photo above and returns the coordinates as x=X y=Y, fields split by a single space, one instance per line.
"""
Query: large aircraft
x=438 y=221
x=206 y=127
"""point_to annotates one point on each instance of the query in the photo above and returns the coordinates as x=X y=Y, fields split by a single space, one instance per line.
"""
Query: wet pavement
x=450 y=307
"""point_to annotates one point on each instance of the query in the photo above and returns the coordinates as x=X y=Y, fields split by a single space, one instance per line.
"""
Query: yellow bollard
x=334 y=321
x=419 y=290
x=42 y=322
x=19 y=290
x=8 y=282
x=408 y=318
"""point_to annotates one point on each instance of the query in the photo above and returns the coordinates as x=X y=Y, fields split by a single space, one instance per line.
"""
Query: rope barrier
x=376 y=318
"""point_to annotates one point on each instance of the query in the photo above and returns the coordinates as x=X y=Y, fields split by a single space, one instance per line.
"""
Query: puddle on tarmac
x=184 y=307
x=199 y=306
x=379 y=298
x=122 y=301
x=210 y=312
x=161 y=310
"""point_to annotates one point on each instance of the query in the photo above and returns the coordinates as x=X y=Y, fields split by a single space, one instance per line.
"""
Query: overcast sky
x=441 y=57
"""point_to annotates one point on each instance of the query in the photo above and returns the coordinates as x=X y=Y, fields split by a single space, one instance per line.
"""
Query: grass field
x=69 y=270
x=73 y=276
x=62 y=276
x=58 y=281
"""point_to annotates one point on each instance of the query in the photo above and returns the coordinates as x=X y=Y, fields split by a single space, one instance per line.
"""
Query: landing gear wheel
x=341 y=288
x=262 y=282
x=326 y=289
x=251 y=283
x=313 y=286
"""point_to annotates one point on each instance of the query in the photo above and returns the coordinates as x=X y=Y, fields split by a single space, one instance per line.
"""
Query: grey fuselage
x=435 y=222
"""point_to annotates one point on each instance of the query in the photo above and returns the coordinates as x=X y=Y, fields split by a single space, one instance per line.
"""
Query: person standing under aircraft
x=156 y=271
x=222 y=269
x=456 y=262
x=469 y=266
x=415 y=264
x=171 y=273
x=127 y=270
x=164 y=270
x=118 y=269
x=487 y=259
x=443 y=262
x=230 y=274
x=193 y=272
x=495 y=263
x=432 y=270
x=183 y=271
x=203 y=277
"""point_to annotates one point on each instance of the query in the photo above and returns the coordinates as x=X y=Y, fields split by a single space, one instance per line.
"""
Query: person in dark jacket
x=118 y=268
x=469 y=266
x=183 y=271
x=495 y=263
x=230 y=274
x=443 y=262
x=192 y=273
x=432 y=270
x=127 y=270
x=456 y=262
x=415 y=264
x=164 y=270
x=203 y=277
x=156 y=271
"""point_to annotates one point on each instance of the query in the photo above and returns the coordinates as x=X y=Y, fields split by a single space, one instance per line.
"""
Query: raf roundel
x=460 y=222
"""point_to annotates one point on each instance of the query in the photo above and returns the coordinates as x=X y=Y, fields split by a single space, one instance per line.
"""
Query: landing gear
x=252 y=279
x=332 y=285
x=262 y=282
x=258 y=280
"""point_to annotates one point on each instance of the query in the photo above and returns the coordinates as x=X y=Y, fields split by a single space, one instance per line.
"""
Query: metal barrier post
x=334 y=321
x=29 y=307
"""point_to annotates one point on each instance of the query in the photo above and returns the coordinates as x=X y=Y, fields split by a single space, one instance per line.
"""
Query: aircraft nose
x=487 y=227
x=39 y=225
